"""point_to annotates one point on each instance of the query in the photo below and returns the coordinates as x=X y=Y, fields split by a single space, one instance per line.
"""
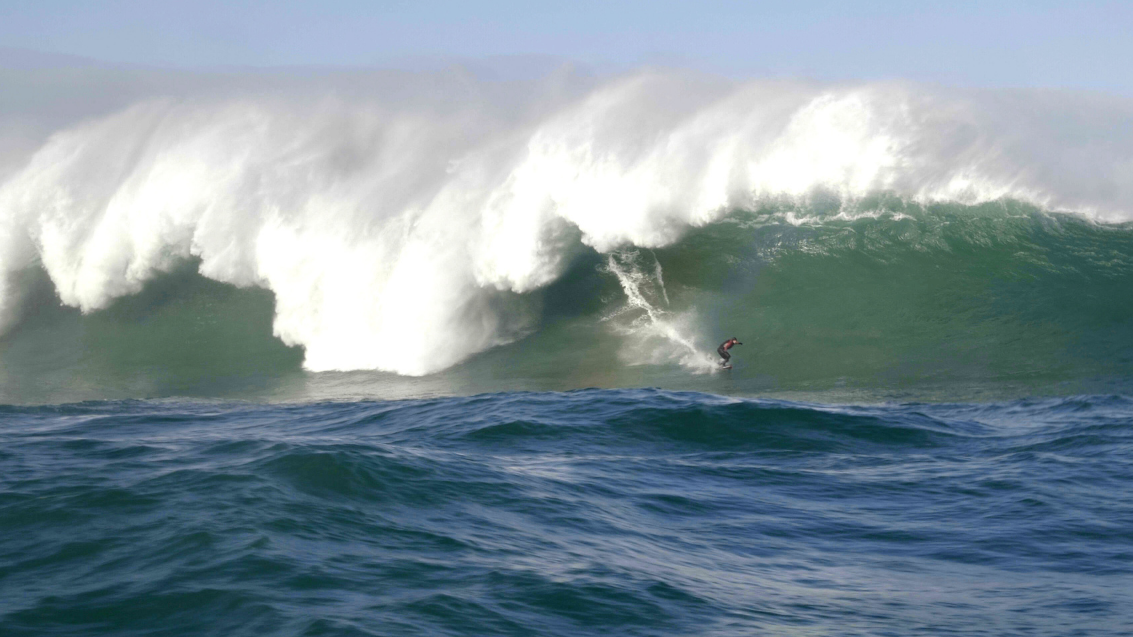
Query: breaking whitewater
x=396 y=234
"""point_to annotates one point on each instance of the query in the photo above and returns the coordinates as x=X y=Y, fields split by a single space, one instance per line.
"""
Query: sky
x=1015 y=43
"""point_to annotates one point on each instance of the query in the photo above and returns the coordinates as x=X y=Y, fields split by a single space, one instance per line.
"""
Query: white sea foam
x=402 y=232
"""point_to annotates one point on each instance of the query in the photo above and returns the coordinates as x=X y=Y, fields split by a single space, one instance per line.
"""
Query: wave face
x=407 y=224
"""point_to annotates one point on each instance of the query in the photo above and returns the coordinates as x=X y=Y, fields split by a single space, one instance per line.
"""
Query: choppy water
x=591 y=512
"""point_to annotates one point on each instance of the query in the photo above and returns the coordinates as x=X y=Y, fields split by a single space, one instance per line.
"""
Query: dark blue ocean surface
x=635 y=512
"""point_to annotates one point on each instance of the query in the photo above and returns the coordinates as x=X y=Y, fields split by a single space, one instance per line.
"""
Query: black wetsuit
x=723 y=351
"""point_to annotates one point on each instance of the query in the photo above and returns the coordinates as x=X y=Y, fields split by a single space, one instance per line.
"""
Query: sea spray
x=653 y=334
x=401 y=230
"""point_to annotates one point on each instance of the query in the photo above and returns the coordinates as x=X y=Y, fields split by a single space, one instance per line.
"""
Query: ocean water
x=600 y=512
x=425 y=354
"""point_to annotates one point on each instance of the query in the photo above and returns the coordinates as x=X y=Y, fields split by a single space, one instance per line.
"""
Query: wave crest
x=405 y=235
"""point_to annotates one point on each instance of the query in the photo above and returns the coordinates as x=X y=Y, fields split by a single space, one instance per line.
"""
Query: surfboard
x=726 y=366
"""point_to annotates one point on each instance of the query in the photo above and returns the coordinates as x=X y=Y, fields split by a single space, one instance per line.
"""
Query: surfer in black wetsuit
x=723 y=350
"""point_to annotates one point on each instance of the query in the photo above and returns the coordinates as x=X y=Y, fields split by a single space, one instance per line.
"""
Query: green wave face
x=872 y=299
x=919 y=296
x=883 y=297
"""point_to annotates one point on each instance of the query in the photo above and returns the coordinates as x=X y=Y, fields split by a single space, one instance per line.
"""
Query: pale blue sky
x=1005 y=43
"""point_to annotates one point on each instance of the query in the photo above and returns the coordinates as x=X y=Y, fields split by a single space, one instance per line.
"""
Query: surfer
x=723 y=350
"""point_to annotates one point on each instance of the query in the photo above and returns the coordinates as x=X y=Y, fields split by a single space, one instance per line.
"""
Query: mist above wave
x=402 y=219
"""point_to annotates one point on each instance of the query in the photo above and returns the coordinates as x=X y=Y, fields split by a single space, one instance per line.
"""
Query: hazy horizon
x=965 y=44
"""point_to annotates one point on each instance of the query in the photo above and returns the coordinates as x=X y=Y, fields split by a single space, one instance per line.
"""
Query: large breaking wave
x=403 y=224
